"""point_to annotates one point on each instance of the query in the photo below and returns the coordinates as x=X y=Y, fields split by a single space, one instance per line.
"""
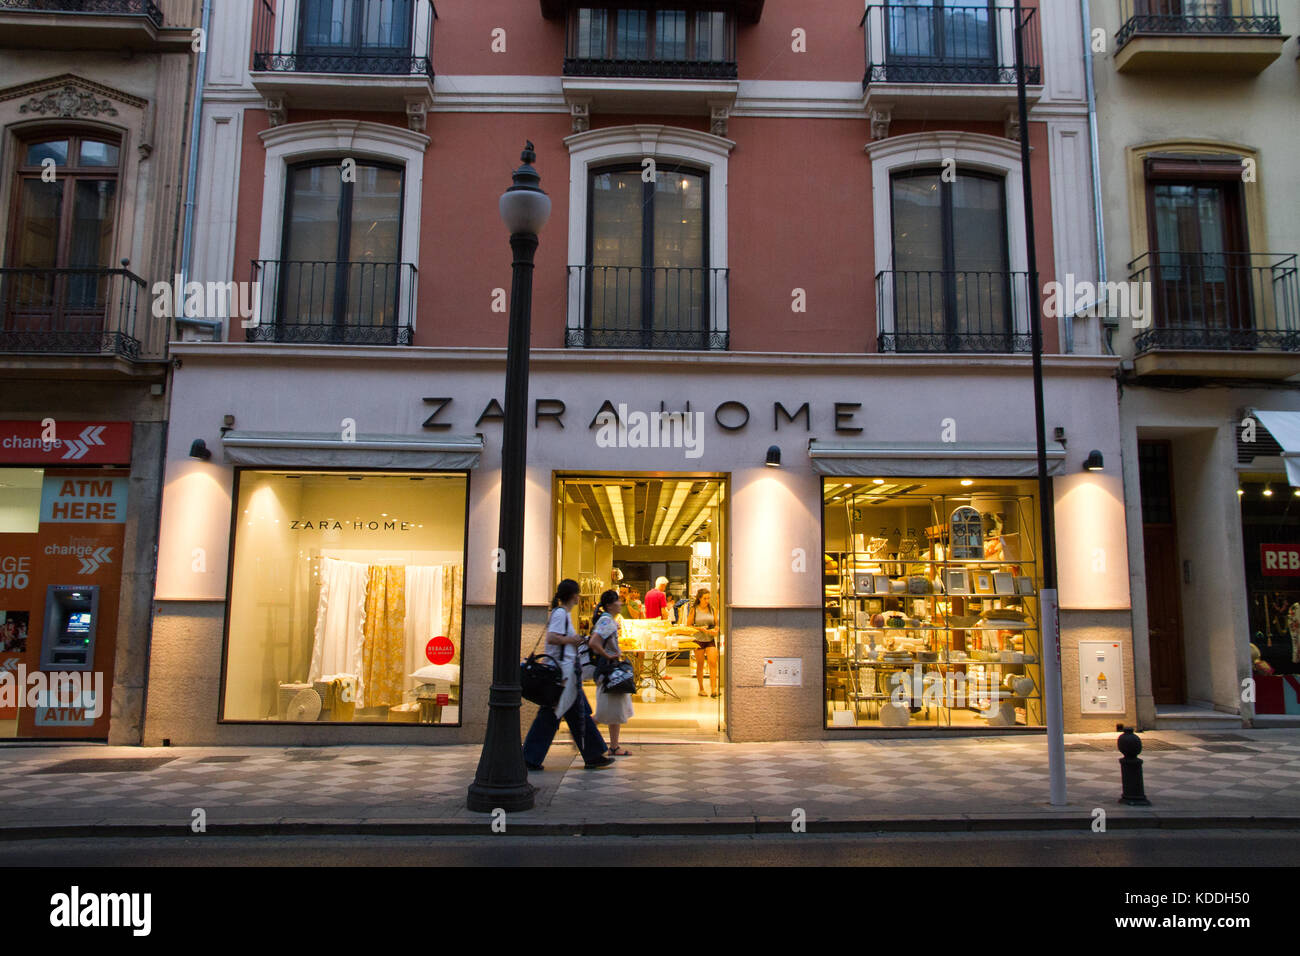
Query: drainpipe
x=196 y=126
x=1095 y=149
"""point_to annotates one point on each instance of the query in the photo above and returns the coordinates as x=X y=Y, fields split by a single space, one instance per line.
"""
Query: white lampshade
x=525 y=210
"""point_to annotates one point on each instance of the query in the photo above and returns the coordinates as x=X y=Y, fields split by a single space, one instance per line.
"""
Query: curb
x=740 y=826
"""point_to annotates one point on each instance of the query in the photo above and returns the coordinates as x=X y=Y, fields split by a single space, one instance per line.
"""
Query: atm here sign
x=1280 y=559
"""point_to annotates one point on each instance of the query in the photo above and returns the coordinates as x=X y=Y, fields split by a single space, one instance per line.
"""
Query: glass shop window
x=346 y=598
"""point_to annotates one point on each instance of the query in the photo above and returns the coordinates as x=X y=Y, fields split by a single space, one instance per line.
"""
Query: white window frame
x=971 y=151
x=287 y=28
x=335 y=139
x=666 y=145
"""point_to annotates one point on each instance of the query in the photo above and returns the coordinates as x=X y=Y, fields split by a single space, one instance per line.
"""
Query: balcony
x=81 y=314
x=362 y=54
x=946 y=61
x=332 y=303
x=88 y=25
x=650 y=59
x=944 y=311
x=1222 y=315
x=1198 y=36
x=624 y=307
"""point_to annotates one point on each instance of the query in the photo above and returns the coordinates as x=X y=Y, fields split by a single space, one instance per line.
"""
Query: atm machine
x=71 y=619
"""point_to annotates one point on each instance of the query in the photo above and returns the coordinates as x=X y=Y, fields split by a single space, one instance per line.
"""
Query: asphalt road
x=1231 y=848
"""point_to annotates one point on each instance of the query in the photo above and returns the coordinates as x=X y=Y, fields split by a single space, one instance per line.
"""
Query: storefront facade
x=233 y=642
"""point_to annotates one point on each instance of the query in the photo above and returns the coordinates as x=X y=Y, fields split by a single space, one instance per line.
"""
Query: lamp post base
x=484 y=798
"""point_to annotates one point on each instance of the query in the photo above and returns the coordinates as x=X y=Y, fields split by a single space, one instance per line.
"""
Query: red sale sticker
x=440 y=650
x=1280 y=560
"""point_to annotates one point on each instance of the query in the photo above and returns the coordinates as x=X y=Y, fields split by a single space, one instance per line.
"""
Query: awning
x=329 y=450
x=869 y=459
x=1285 y=429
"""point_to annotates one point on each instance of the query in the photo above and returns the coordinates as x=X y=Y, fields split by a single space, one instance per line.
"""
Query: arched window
x=63 y=233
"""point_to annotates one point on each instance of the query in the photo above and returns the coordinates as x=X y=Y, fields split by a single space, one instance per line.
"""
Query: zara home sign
x=730 y=416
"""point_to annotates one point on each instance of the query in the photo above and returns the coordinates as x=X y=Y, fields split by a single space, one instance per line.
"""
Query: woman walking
x=562 y=642
x=705 y=622
x=612 y=709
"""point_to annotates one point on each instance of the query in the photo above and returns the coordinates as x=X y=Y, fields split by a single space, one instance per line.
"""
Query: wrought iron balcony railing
x=647 y=42
x=1209 y=17
x=1218 y=301
x=78 y=312
x=943 y=44
x=943 y=311
x=136 y=8
x=351 y=37
x=338 y=303
x=625 y=307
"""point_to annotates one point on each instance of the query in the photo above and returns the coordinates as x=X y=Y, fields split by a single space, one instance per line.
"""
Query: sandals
x=618 y=752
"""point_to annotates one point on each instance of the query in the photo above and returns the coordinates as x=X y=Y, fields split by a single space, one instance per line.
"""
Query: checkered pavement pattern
x=831 y=780
x=1247 y=772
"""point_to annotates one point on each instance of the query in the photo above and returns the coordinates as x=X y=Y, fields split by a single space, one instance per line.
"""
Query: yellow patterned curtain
x=383 y=647
x=452 y=581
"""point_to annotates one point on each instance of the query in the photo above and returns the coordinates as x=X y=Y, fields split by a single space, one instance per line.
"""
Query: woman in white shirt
x=562 y=643
x=612 y=709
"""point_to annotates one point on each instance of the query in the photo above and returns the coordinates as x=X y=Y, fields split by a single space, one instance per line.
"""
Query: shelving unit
x=960 y=654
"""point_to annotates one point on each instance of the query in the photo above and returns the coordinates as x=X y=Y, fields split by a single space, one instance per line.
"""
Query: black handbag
x=541 y=678
x=620 y=679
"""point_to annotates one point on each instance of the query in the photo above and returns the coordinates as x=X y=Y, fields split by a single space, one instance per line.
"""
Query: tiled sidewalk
x=1187 y=774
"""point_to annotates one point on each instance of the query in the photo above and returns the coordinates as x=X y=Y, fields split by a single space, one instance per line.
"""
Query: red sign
x=65 y=443
x=444 y=700
x=1280 y=560
x=440 y=650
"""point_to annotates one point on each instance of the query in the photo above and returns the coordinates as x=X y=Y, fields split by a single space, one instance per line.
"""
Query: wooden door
x=1160 y=558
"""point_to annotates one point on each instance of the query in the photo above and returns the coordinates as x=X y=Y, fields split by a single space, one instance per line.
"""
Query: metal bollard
x=1130 y=768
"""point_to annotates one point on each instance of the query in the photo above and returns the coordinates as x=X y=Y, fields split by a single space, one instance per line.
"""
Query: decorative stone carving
x=277 y=110
x=68 y=102
x=719 y=115
x=880 y=120
x=417 y=112
x=580 y=113
x=1013 y=123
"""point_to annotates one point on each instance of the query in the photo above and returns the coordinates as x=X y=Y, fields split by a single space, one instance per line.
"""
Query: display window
x=931 y=603
x=1270 y=533
x=346 y=596
x=628 y=534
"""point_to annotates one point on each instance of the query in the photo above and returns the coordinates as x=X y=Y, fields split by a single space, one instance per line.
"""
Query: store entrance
x=626 y=533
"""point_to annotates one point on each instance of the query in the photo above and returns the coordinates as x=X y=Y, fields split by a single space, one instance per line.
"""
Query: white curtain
x=340 y=617
x=423 y=615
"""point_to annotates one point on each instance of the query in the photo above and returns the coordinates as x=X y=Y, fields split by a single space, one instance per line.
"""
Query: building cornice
x=325 y=356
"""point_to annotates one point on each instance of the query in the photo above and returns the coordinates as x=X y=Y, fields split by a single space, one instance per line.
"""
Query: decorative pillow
x=431 y=673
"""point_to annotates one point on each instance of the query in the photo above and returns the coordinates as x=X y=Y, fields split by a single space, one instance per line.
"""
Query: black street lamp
x=501 y=781
x=1049 y=620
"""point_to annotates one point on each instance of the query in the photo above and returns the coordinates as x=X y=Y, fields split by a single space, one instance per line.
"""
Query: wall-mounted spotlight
x=1094 y=461
x=199 y=450
x=774 y=457
x=1268 y=491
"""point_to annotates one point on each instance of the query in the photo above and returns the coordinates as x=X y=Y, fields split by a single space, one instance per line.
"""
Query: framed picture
x=874 y=605
x=863 y=583
x=1004 y=582
x=1024 y=585
x=956 y=581
x=983 y=581
x=882 y=583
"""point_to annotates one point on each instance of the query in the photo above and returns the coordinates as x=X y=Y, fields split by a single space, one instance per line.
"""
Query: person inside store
x=624 y=598
x=612 y=709
x=702 y=617
x=562 y=643
x=635 y=609
x=656 y=602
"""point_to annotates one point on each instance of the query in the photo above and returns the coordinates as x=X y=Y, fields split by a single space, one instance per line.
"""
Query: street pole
x=1048 y=603
x=501 y=781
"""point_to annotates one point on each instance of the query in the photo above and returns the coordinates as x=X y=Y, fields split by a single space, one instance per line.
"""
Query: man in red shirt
x=656 y=601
